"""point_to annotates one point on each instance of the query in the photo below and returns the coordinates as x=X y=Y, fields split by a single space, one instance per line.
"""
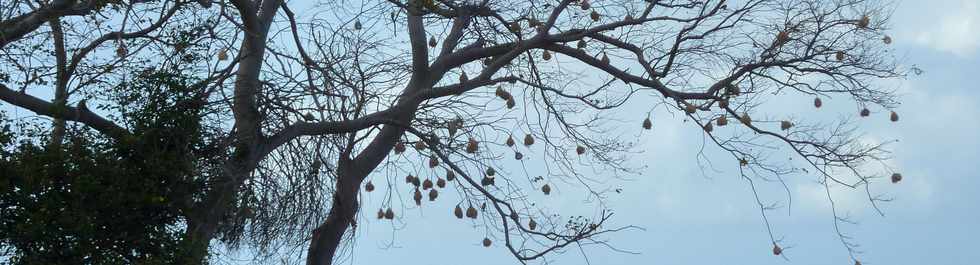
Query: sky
x=685 y=216
x=692 y=218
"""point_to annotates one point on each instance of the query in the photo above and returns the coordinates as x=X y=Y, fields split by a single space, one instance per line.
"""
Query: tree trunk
x=328 y=236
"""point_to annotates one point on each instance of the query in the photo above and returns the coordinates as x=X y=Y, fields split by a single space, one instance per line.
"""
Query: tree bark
x=329 y=235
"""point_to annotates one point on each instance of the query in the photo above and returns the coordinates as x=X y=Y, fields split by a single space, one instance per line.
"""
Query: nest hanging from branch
x=450 y=174
x=419 y=146
x=433 y=161
x=433 y=194
x=472 y=146
x=427 y=184
x=580 y=150
x=785 y=125
x=518 y=155
x=486 y=242
x=896 y=177
x=503 y=94
x=223 y=54
x=418 y=197
x=458 y=212
x=817 y=103
x=722 y=121
x=546 y=189
x=594 y=16
x=532 y=225
x=745 y=118
x=528 y=140
x=647 y=124
x=864 y=22
x=381 y=214
x=389 y=214
x=894 y=117
x=441 y=183
x=369 y=187
x=865 y=112
x=585 y=5
x=399 y=147
x=510 y=140
x=776 y=250
x=723 y=104
x=471 y=212
x=708 y=127
x=546 y=55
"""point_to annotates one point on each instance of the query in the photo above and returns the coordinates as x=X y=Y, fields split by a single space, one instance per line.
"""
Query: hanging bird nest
x=427 y=184
x=369 y=187
x=605 y=59
x=121 y=50
x=782 y=37
x=515 y=27
x=532 y=224
x=450 y=175
x=518 y=156
x=471 y=212
x=408 y=179
x=894 y=117
x=503 y=94
x=865 y=112
x=528 y=140
x=399 y=147
x=776 y=250
x=745 y=118
x=420 y=145
x=896 y=177
x=472 y=146
x=690 y=108
x=723 y=104
x=708 y=127
x=785 y=125
x=441 y=183
x=381 y=214
x=580 y=44
x=454 y=126
x=458 y=212
x=546 y=189
x=722 y=121
x=580 y=150
x=418 y=197
x=511 y=103
x=357 y=25
x=647 y=124
x=389 y=214
x=743 y=162
x=595 y=16
x=534 y=22
x=432 y=41
x=629 y=17
x=510 y=141
x=585 y=5
x=733 y=89
x=486 y=242
x=817 y=103
x=433 y=161
x=433 y=194
x=546 y=55
x=839 y=56
x=416 y=181
x=223 y=54
x=864 y=22
x=486 y=181
x=887 y=39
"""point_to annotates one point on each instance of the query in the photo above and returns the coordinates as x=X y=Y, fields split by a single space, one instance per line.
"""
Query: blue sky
x=695 y=218
x=689 y=217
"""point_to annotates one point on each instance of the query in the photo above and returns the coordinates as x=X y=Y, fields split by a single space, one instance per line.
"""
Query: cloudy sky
x=693 y=218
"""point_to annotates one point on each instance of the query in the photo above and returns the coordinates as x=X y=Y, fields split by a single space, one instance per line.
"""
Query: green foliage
x=92 y=200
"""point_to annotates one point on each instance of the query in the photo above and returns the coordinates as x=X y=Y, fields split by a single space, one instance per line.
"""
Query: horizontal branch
x=77 y=114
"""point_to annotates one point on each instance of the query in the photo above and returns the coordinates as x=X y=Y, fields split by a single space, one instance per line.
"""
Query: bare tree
x=324 y=99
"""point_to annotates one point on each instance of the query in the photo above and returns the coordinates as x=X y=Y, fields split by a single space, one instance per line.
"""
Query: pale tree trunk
x=61 y=81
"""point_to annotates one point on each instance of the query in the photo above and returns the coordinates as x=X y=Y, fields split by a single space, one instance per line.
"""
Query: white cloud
x=954 y=28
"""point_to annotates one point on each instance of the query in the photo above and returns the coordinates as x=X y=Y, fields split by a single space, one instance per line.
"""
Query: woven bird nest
x=864 y=22
x=471 y=212
x=894 y=117
x=223 y=54
x=399 y=147
x=647 y=124
x=896 y=177
x=585 y=5
x=776 y=250
x=486 y=242
x=518 y=156
x=785 y=125
x=510 y=140
x=472 y=146
x=458 y=212
x=546 y=55
x=580 y=150
x=389 y=214
x=745 y=118
x=594 y=15
x=433 y=161
x=420 y=145
x=708 y=127
x=369 y=187
x=503 y=94
x=418 y=197
x=817 y=103
x=427 y=184
x=433 y=194
x=532 y=225
x=432 y=42
x=865 y=112
x=528 y=140
x=722 y=121
x=546 y=189
x=441 y=183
